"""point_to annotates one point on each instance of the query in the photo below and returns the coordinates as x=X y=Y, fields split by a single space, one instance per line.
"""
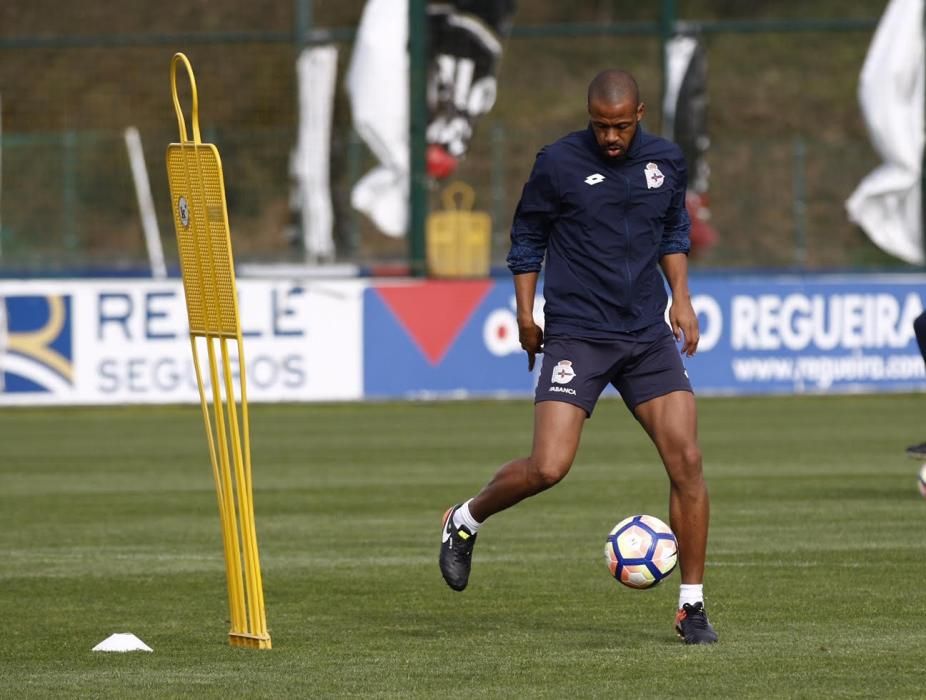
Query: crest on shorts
x=563 y=373
x=654 y=176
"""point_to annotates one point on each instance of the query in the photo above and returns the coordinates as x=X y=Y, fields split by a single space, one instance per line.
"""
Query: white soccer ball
x=921 y=481
x=641 y=551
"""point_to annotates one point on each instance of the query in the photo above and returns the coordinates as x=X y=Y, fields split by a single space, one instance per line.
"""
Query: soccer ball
x=641 y=551
x=921 y=481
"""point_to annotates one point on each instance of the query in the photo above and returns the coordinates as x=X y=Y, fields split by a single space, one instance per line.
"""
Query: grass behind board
x=108 y=523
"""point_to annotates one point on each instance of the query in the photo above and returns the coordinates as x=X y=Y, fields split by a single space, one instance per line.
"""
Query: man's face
x=614 y=125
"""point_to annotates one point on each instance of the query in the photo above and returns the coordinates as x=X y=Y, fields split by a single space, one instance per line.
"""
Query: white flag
x=887 y=204
x=377 y=83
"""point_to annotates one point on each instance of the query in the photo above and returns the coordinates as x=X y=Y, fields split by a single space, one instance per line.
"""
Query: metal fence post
x=354 y=155
x=69 y=188
x=417 y=95
x=1 y=180
x=303 y=22
x=497 y=179
x=799 y=200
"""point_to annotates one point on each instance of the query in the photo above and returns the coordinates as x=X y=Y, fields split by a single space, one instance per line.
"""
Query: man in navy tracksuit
x=606 y=207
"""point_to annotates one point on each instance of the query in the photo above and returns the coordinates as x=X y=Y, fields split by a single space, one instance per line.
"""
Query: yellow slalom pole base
x=249 y=641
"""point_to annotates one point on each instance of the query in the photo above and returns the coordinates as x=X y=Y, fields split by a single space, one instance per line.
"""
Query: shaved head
x=614 y=110
x=613 y=86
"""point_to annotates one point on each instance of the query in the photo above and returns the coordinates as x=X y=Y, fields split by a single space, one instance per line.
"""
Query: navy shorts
x=640 y=365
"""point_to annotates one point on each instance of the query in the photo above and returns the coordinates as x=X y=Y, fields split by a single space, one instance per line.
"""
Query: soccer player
x=919 y=328
x=606 y=206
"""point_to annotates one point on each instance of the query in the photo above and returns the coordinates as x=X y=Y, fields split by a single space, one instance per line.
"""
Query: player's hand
x=684 y=323
x=531 y=337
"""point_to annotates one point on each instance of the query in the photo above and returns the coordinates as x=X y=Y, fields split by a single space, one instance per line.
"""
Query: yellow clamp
x=458 y=196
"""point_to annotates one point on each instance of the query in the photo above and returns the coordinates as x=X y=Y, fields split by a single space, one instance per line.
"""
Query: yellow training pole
x=197 y=194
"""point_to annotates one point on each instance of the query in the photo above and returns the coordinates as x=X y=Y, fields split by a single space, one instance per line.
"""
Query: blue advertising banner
x=807 y=334
x=759 y=335
x=88 y=342
x=442 y=338
x=36 y=344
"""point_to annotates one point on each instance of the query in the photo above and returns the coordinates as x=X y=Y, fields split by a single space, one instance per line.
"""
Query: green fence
x=788 y=144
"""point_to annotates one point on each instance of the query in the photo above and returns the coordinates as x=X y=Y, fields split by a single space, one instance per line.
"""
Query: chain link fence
x=787 y=141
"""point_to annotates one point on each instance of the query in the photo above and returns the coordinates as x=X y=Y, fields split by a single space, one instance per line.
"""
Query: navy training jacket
x=603 y=224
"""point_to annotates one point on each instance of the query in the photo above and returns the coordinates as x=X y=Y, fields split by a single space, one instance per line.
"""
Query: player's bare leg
x=557 y=429
x=671 y=422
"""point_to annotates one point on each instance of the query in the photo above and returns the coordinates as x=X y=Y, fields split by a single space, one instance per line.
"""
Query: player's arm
x=529 y=333
x=682 y=317
x=530 y=232
x=673 y=252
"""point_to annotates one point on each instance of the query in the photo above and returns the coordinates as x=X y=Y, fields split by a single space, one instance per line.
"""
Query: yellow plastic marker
x=197 y=194
x=457 y=237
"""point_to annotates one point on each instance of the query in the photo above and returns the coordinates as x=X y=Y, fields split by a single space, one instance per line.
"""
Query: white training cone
x=125 y=641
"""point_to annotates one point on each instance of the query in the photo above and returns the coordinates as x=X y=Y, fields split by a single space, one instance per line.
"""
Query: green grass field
x=108 y=523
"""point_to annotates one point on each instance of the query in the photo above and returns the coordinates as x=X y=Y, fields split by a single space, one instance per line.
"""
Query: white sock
x=690 y=593
x=464 y=517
